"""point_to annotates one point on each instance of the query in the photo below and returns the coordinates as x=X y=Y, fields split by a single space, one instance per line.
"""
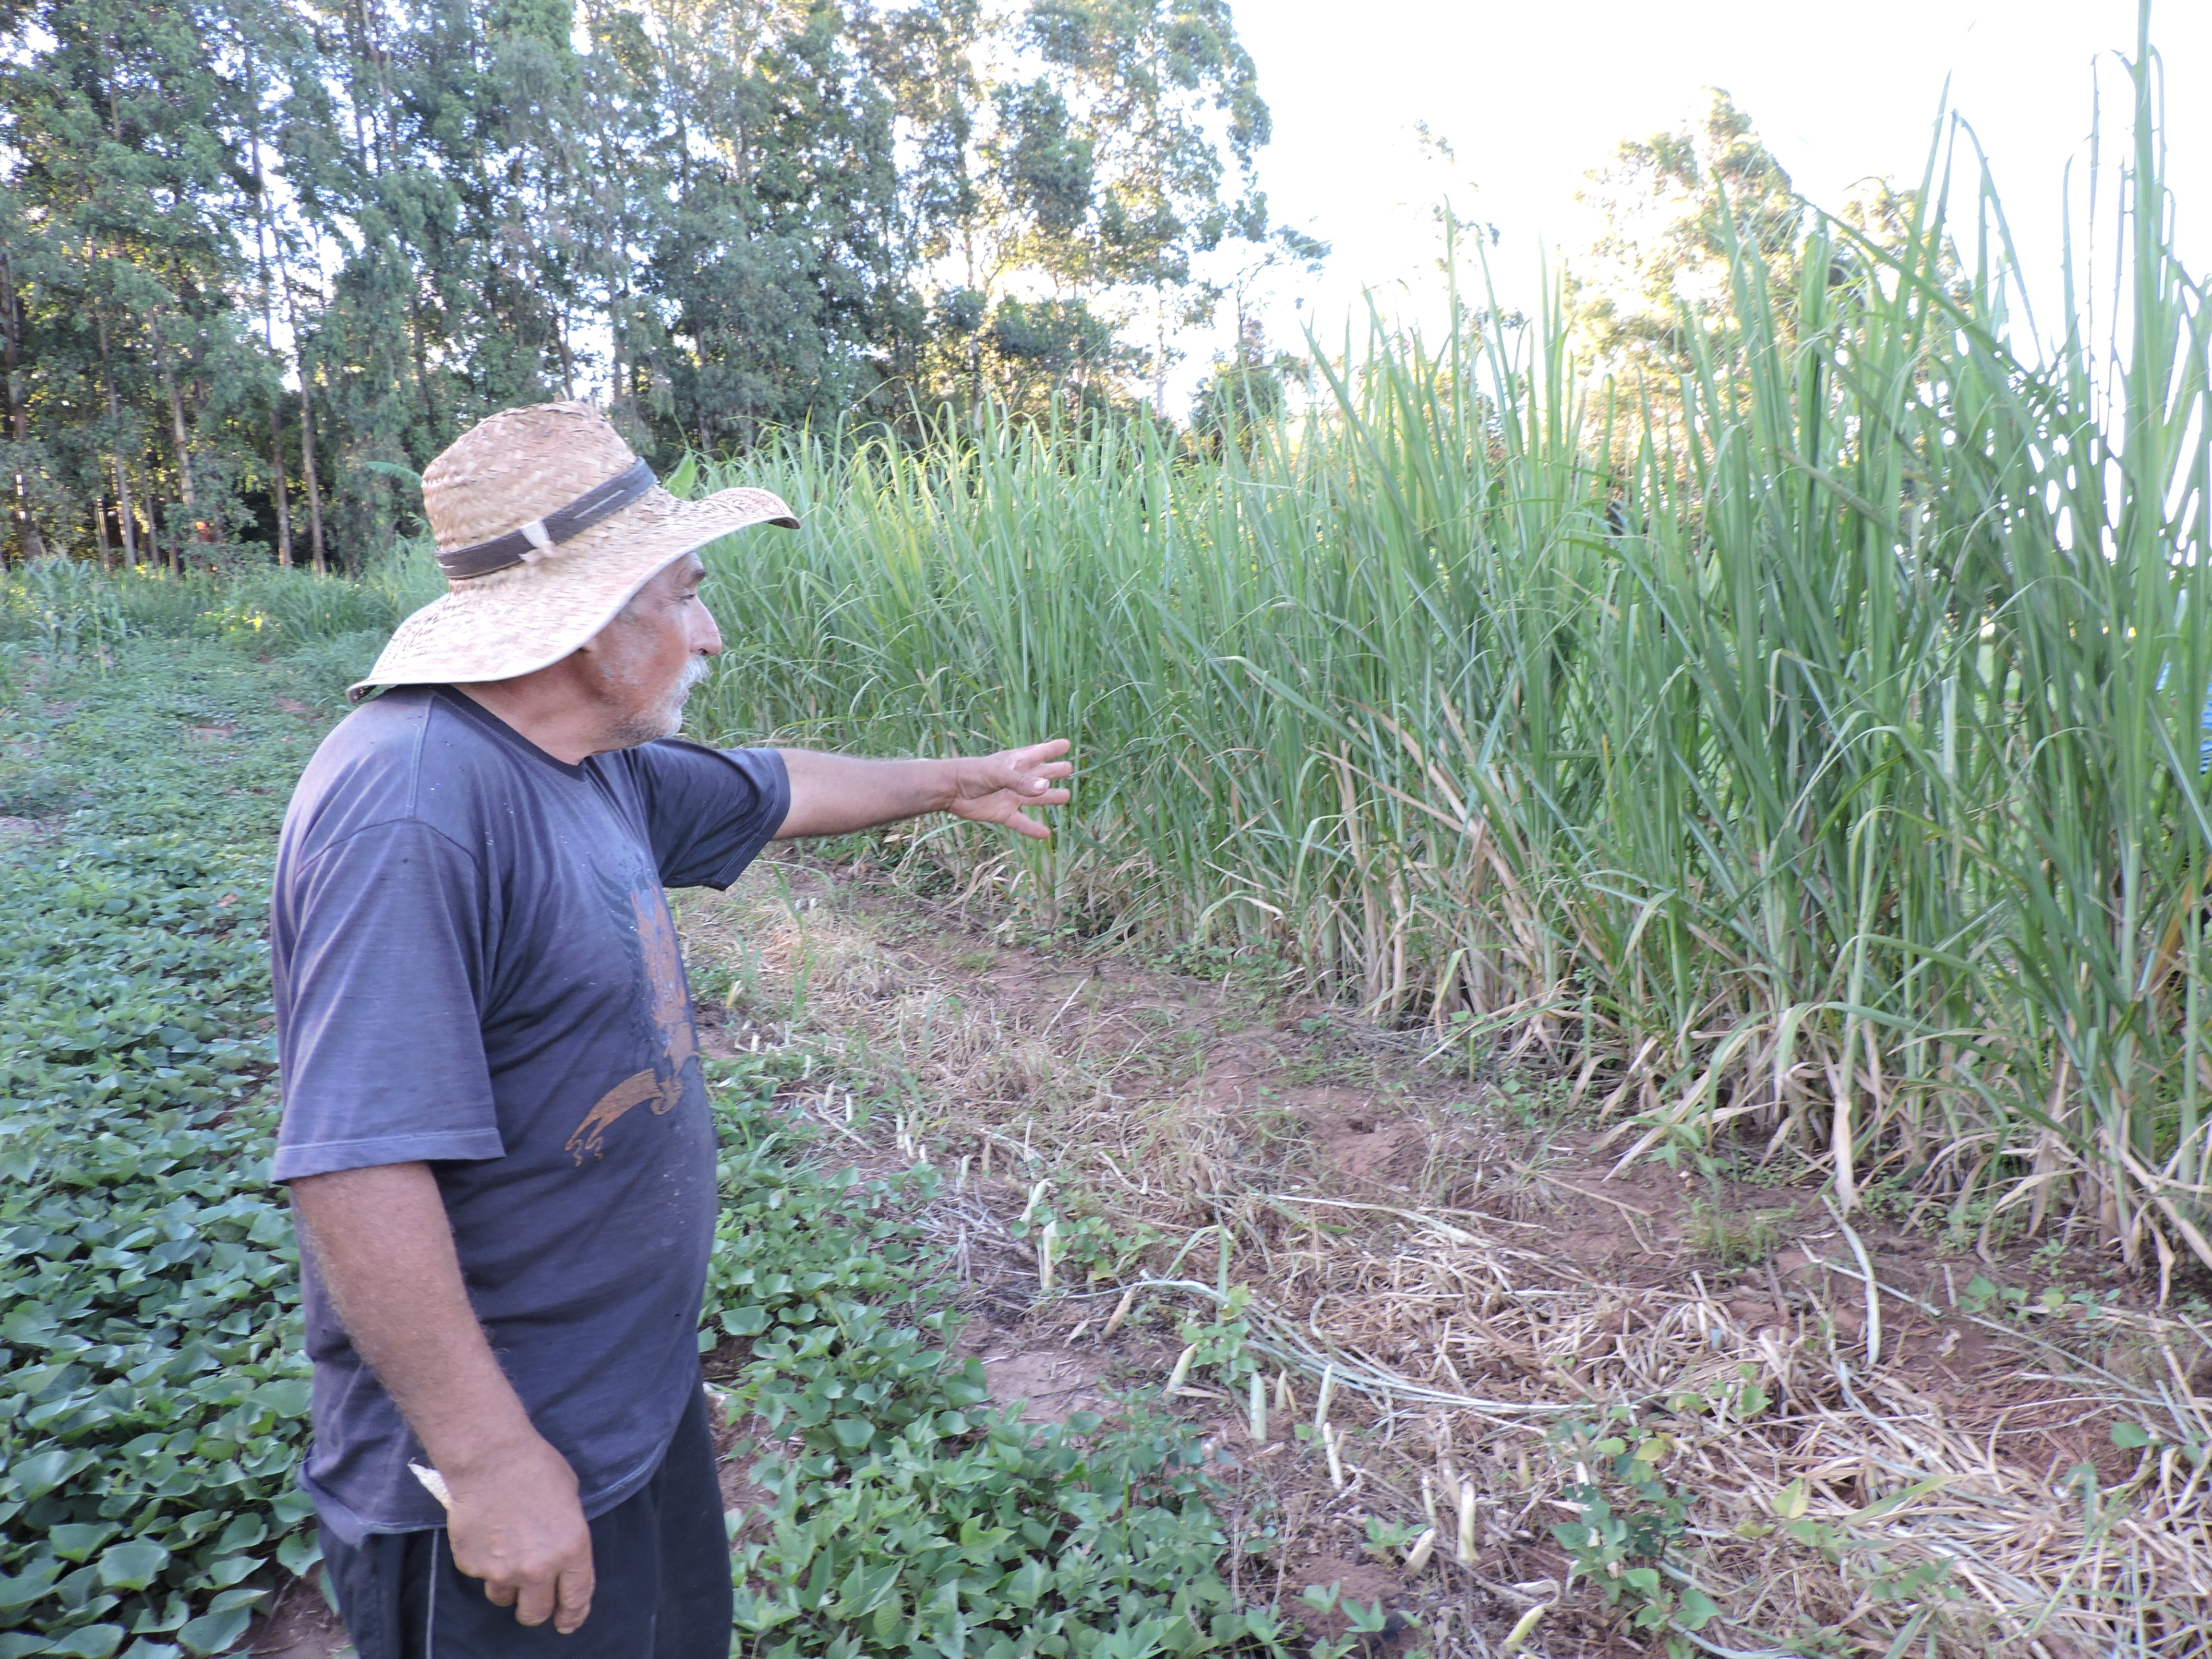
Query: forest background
x=261 y=259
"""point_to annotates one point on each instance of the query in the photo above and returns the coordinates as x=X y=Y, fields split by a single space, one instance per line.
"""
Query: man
x=495 y=1127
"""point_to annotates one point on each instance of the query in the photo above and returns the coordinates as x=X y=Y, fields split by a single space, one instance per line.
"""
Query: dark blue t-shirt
x=475 y=968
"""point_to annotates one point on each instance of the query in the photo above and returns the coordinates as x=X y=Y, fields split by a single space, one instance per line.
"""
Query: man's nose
x=706 y=637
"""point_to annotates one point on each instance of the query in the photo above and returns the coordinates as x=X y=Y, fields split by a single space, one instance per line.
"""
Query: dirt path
x=1937 y=1456
x=1473 y=1274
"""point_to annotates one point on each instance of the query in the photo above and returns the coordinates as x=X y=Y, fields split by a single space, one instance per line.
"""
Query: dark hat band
x=600 y=501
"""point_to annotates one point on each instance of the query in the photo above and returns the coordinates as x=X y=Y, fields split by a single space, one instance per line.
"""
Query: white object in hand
x=434 y=1483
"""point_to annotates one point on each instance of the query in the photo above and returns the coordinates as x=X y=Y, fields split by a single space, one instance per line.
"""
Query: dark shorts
x=660 y=1558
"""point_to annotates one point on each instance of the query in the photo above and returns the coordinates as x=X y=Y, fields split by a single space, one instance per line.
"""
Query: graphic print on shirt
x=667 y=1005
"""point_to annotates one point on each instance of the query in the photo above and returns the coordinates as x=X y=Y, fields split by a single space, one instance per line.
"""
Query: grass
x=70 y=615
x=1820 y=772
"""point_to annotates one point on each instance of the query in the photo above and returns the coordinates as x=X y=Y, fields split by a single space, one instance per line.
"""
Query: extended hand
x=516 y=1524
x=995 y=788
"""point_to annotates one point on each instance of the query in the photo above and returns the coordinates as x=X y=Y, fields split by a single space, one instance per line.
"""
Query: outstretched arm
x=835 y=794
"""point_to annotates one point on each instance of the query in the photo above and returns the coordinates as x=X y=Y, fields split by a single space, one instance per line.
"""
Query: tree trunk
x=176 y=542
x=122 y=518
x=263 y=234
x=308 y=466
x=615 y=366
x=430 y=423
x=177 y=432
x=306 y=437
x=354 y=99
x=180 y=435
x=376 y=57
x=1160 y=361
x=156 y=547
x=32 y=544
x=279 y=486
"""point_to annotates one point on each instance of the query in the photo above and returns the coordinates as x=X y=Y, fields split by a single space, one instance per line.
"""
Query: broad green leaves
x=152 y=1412
x=132 y=1567
x=911 y=1516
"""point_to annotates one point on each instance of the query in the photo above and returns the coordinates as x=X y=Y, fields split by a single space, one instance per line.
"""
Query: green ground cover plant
x=153 y=1391
x=153 y=1399
x=901 y=1511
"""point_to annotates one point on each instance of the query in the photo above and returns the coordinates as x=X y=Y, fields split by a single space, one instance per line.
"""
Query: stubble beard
x=652 y=718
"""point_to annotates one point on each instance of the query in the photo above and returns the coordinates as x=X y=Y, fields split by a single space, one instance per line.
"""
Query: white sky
x=1533 y=93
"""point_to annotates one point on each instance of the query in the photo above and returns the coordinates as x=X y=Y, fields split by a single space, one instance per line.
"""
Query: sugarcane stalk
x=1176 y=1378
x=1120 y=1312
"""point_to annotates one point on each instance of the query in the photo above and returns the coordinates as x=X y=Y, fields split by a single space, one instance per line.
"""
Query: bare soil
x=1473 y=1240
x=301 y=1625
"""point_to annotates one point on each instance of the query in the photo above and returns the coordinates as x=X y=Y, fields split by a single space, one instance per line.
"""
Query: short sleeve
x=378 y=964
x=709 y=810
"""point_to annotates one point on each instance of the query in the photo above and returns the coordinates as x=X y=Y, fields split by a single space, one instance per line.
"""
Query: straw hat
x=546 y=526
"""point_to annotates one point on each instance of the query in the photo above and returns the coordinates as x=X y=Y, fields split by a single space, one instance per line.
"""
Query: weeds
x=1826 y=765
x=1631 y=1519
x=1734 y=1238
x=902 y=1511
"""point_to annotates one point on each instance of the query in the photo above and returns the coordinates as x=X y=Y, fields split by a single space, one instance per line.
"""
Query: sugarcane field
x=676 y=853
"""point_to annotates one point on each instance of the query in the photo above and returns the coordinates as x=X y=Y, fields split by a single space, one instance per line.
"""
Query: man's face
x=643 y=665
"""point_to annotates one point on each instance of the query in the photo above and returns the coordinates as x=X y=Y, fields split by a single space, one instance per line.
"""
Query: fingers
x=518 y=1527
x=561 y=1593
x=534 y=1605
x=1005 y=806
x=998 y=788
x=1031 y=769
x=1034 y=780
x=572 y=1597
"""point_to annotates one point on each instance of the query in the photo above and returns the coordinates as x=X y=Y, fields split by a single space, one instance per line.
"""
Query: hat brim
x=530 y=617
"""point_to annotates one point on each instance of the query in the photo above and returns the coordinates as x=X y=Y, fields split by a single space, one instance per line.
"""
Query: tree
x=771 y=278
x=1657 y=273
x=133 y=364
x=1248 y=388
x=1071 y=193
x=262 y=255
x=1145 y=83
